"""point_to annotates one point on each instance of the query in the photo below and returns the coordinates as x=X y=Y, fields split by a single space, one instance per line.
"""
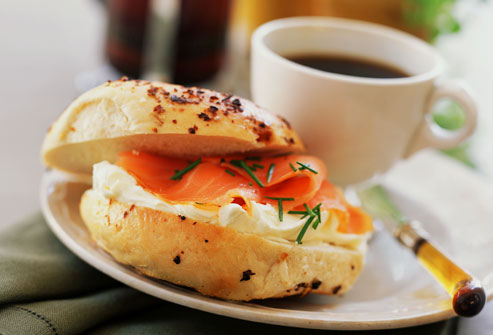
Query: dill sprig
x=279 y=204
x=306 y=166
x=179 y=174
x=314 y=219
x=304 y=229
x=244 y=166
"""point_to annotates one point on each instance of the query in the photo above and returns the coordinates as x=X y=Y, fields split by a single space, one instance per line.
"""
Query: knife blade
x=468 y=296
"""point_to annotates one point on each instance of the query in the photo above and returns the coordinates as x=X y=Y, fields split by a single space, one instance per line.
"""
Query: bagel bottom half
x=214 y=260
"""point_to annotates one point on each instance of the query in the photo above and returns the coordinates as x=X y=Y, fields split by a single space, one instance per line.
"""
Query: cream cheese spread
x=113 y=182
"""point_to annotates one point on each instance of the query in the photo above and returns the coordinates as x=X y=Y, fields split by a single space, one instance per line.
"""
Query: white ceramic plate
x=393 y=290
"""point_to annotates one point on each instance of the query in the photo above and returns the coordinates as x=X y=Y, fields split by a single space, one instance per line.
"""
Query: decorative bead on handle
x=468 y=296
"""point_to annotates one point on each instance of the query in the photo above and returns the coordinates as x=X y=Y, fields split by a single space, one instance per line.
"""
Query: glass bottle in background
x=200 y=42
x=182 y=41
x=125 y=36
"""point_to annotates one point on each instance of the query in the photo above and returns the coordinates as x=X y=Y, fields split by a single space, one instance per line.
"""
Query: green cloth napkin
x=45 y=289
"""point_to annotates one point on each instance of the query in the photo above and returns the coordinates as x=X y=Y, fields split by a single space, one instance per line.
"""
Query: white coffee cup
x=359 y=126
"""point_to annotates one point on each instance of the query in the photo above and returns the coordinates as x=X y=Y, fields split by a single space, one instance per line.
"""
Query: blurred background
x=51 y=51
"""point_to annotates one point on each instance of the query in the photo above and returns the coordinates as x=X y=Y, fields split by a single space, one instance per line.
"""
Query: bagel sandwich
x=207 y=190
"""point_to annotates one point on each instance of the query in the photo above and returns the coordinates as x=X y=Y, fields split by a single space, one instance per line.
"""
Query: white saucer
x=393 y=290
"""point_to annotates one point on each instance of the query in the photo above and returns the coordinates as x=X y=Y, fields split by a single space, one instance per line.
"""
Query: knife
x=468 y=296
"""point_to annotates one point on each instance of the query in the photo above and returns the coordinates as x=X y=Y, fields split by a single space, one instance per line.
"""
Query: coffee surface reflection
x=356 y=67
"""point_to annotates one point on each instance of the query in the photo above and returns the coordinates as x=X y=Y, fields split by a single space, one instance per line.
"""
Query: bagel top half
x=165 y=119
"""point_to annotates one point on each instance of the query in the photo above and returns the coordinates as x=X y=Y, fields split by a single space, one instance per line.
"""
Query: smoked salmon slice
x=206 y=183
x=288 y=179
x=284 y=167
x=297 y=179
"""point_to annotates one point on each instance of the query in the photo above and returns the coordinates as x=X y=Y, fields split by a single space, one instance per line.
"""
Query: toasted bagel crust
x=214 y=260
x=161 y=118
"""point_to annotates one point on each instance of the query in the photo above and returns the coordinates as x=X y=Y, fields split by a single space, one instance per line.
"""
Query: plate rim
x=239 y=310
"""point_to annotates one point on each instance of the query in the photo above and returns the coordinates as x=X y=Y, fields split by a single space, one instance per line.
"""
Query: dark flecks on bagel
x=316 y=284
x=247 y=275
x=336 y=289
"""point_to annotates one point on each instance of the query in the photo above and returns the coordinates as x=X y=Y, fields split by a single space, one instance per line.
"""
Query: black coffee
x=355 y=67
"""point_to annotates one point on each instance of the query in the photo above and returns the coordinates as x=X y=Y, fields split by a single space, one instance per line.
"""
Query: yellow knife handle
x=468 y=296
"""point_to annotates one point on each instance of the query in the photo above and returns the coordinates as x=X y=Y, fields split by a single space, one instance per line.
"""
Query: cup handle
x=429 y=134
